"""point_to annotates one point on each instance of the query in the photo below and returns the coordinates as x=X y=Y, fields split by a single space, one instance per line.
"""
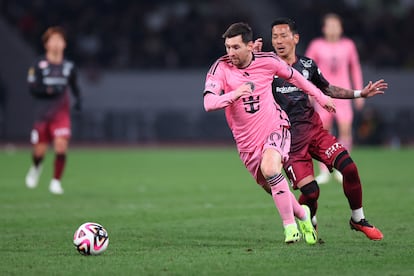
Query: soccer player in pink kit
x=50 y=78
x=240 y=82
x=337 y=58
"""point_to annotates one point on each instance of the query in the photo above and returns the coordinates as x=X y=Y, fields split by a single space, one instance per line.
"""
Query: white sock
x=357 y=214
x=314 y=220
x=290 y=224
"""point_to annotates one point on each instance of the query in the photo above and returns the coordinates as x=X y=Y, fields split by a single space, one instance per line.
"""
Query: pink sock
x=282 y=197
x=297 y=208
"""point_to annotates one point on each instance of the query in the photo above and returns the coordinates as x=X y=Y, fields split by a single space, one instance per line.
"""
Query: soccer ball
x=91 y=238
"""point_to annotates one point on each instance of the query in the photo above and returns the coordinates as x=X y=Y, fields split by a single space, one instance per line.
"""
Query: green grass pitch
x=196 y=211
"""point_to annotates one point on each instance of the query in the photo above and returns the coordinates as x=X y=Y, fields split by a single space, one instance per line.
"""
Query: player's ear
x=250 y=45
x=296 y=38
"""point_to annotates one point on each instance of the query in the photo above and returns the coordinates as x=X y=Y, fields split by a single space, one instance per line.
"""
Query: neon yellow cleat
x=306 y=227
x=291 y=234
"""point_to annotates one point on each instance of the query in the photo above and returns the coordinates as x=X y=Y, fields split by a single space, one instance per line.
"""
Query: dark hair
x=287 y=21
x=53 y=30
x=239 y=28
x=331 y=15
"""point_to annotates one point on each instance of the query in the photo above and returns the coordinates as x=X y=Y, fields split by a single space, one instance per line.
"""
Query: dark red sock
x=351 y=181
x=60 y=160
x=352 y=186
x=37 y=160
x=309 y=196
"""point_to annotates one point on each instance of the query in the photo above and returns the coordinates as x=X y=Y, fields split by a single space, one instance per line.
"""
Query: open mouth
x=280 y=49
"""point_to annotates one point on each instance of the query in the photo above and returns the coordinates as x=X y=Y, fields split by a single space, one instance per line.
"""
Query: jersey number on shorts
x=292 y=174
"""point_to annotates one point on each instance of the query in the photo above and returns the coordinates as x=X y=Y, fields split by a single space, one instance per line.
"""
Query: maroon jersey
x=49 y=84
x=309 y=139
x=296 y=103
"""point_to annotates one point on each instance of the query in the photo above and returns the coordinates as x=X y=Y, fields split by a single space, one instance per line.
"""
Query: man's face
x=55 y=43
x=239 y=52
x=332 y=28
x=284 y=41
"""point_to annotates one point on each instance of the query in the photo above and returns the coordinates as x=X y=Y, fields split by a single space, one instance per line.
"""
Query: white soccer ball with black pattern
x=91 y=238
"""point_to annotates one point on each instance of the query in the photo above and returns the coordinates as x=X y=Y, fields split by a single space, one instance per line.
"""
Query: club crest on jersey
x=43 y=64
x=306 y=63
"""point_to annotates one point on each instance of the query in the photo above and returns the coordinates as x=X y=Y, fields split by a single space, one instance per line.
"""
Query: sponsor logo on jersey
x=55 y=81
x=287 y=89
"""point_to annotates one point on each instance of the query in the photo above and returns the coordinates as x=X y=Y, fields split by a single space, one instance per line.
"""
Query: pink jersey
x=252 y=119
x=338 y=61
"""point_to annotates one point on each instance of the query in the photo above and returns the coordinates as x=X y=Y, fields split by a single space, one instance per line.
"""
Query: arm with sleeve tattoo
x=370 y=90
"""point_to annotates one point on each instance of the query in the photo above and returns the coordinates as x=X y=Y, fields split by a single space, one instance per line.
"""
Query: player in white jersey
x=240 y=82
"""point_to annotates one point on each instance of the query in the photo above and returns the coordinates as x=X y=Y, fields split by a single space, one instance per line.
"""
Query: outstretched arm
x=309 y=88
x=370 y=90
x=213 y=101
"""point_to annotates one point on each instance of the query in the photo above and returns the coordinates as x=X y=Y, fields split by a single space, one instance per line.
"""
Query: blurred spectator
x=183 y=34
x=130 y=34
x=375 y=26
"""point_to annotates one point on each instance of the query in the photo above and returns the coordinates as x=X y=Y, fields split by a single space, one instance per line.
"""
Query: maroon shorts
x=45 y=131
x=320 y=145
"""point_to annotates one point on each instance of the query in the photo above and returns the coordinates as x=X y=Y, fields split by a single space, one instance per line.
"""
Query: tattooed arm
x=370 y=90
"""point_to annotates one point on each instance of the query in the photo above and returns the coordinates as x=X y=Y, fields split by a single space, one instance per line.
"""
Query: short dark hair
x=284 y=20
x=331 y=15
x=53 y=30
x=239 y=28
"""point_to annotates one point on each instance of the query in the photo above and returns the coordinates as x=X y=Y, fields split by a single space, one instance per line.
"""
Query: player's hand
x=330 y=106
x=244 y=90
x=373 y=89
x=258 y=45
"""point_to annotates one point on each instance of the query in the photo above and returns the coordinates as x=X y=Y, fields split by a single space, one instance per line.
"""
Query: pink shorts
x=46 y=131
x=278 y=140
x=344 y=113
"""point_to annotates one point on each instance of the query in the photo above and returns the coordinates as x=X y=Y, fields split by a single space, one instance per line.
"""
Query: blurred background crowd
x=119 y=43
x=183 y=34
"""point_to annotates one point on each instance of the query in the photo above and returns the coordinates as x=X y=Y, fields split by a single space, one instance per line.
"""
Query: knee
x=271 y=163
x=269 y=170
x=311 y=190
x=60 y=145
x=346 y=166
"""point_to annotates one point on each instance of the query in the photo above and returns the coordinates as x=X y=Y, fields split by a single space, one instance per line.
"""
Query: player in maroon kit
x=50 y=78
x=309 y=138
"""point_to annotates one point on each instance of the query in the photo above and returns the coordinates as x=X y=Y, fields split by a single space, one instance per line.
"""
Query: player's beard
x=235 y=61
x=239 y=63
